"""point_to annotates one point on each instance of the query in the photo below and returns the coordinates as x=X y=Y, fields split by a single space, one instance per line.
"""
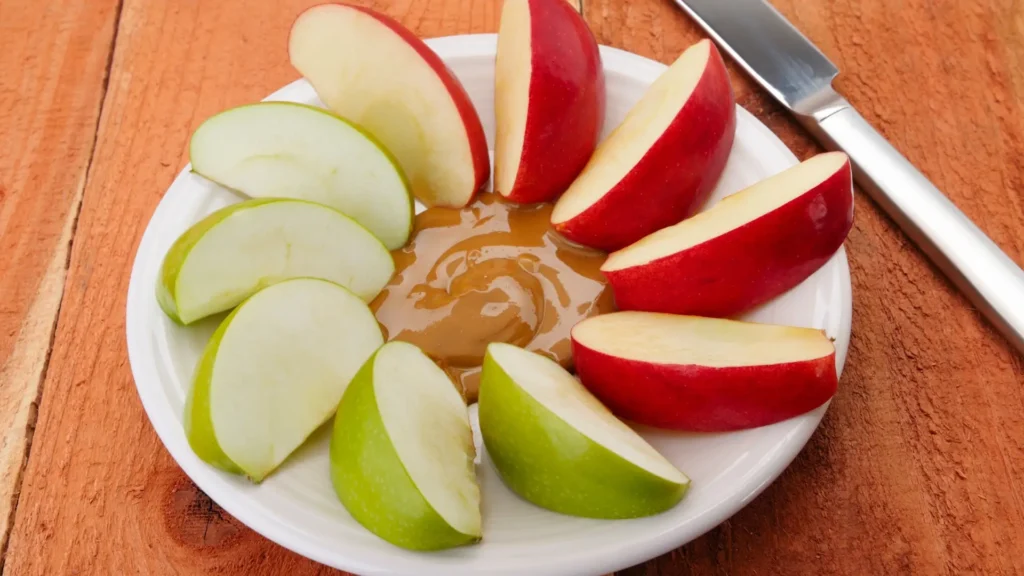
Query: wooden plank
x=101 y=495
x=53 y=64
x=917 y=466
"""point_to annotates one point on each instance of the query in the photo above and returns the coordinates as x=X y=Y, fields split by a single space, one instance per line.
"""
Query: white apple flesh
x=232 y=253
x=402 y=453
x=370 y=69
x=274 y=371
x=289 y=150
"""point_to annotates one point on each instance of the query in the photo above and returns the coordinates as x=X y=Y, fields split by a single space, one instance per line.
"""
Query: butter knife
x=799 y=76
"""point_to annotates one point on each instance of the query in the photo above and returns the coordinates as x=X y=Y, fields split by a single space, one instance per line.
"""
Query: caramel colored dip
x=489 y=272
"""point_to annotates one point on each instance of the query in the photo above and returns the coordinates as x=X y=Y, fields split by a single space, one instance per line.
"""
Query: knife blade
x=792 y=69
x=772 y=51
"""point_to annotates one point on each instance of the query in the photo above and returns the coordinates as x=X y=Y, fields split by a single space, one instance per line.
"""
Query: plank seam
x=74 y=214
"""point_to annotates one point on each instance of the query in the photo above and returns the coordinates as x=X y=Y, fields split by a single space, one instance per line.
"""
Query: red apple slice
x=549 y=99
x=661 y=163
x=703 y=374
x=747 y=249
x=371 y=70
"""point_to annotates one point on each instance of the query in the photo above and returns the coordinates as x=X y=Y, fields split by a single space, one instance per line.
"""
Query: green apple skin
x=178 y=252
x=547 y=462
x=371 y=481
x=198 y=424
x=391 y=245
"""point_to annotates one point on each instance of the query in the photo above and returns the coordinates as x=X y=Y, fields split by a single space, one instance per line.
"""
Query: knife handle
x=983 y=272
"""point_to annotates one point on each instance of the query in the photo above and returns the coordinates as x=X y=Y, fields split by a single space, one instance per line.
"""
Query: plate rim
x=256 y=518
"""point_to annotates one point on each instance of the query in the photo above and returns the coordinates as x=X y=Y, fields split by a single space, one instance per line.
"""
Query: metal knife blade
x=769 y=48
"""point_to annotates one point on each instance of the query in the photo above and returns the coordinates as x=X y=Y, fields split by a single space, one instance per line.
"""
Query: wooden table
x=917 y=468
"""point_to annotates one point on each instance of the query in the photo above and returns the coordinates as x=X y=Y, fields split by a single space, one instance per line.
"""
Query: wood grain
x=53 y=58
x=916 y=468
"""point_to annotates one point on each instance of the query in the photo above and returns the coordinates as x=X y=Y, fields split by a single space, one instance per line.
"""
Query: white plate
x=296 y=507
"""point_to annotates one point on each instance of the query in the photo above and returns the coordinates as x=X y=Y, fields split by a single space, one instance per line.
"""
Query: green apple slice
x=558 y=447
x=402 y=453
x=290 y=150
x=232 y=253
x=274 y=371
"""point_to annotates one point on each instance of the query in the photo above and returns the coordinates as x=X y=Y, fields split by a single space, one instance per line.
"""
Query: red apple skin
x=566 y=102
x=705 y=399
x=746 y=266
x=674 y=178
x=470 y=119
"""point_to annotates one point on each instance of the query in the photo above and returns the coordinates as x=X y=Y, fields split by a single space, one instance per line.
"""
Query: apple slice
x=289 y=150
x=402 y=453
x=370 y=69
x=661 y=163
x=549 y=99
x=274 y=371
x=749 y=248
x=232 y=253
x=558 y=447
x=703 y=374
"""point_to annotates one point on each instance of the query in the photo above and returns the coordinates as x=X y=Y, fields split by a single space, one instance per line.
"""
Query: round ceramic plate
x=296 y=506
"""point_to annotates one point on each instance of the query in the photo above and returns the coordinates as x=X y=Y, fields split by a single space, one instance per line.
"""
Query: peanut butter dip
x=489 y=272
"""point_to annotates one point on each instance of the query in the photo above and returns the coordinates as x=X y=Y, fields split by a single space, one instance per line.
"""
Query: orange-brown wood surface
x=53 y=65
x=917 y=467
